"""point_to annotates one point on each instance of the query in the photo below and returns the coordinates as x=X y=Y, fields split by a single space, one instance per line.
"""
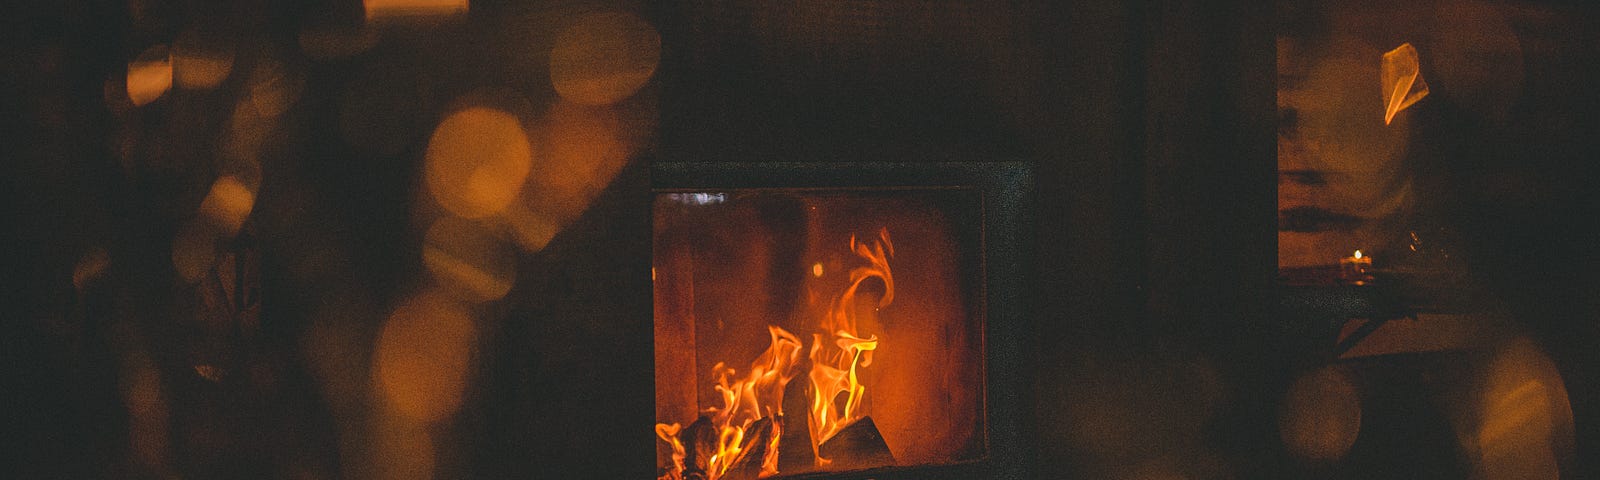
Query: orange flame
x=759 y=394
x=834 y=372
x=669 y=434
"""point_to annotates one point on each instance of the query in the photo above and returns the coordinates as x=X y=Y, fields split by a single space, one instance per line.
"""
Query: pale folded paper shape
x=1403 y=85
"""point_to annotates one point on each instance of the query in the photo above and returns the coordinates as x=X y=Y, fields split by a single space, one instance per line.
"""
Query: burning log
x=754 y=453
x=794 y=445
x=859 y=445
x=699 y=444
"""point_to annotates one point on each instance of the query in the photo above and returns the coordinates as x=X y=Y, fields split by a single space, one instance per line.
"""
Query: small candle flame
x=1358 y=254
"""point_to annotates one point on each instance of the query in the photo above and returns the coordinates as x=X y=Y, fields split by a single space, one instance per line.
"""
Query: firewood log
x=752 y=453
x=858 y=446
x=699 y=444
x=794 y=444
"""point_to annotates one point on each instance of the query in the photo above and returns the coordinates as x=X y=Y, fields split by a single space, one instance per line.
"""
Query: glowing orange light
x=150 y=76
x=271 y=88
x=1358 y=254
x=415 y=9
x=476 y=161
x=228 y=204
x=588 y=147
x=1321 y=416
x=604 y=58
x=1527 y=425
x=199 y=64
x=532 y=230
x=816 y=269
x=421 y=359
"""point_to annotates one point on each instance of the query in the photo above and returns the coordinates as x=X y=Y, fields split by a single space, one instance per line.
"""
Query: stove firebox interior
x=820 y=329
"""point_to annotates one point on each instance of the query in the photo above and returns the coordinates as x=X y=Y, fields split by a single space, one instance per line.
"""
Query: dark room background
x=210 y=275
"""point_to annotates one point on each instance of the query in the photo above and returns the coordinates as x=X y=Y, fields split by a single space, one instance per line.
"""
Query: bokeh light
x=272 y=87
x=587 y=147
x=1321 y=415
x=469 y=258
x=413 y=9
x=584 y=148
x=90 y=267
x=149 y=76
x=246 y=135
x=531 y=229
x=604 y=57
x=1526 y=430
x=228 y=204
x=200 y=62
x=477 y=160
x=421 y=358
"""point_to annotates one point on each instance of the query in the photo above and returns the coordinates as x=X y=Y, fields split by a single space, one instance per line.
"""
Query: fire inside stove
x=802 y=331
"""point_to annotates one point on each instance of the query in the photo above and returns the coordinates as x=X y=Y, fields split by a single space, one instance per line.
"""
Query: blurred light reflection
x=421 y=358
x=272 y=87
x=199 y=62
x=1527 y=429
x=531 y=229
x=228 y=204
x=1321 y=415
x=413 y=9
x=587 y=147
x=476 y=161
x=603 y=58
x=150 y=76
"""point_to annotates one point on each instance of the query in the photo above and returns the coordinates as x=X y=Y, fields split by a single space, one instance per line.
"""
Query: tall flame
x=669 y=433
x=759 y=393
x=833 y=370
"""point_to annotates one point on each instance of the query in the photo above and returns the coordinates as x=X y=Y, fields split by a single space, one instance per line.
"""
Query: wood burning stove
x=839 y=320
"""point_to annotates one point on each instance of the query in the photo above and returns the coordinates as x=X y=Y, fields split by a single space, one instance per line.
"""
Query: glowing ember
x=837 y=395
